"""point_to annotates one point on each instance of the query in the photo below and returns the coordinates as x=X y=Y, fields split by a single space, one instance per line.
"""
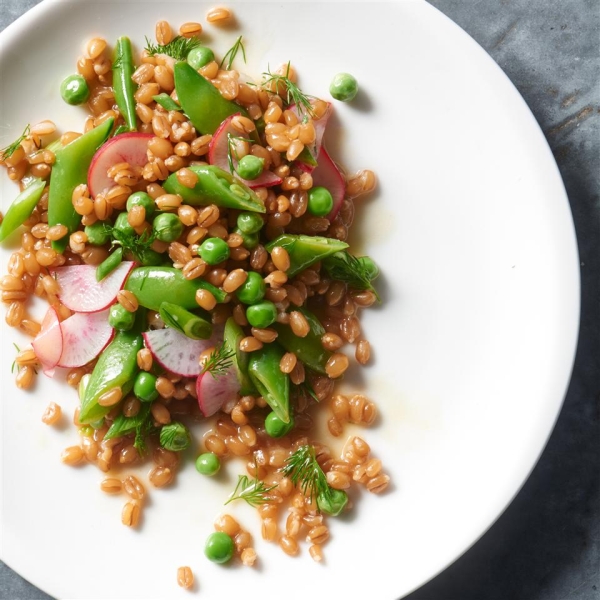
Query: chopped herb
x=219 y=361
x=175 y=437
x=356 y=272
x=231 y=150
x=136 y=244
x=294 y=94
x=303 y=469
x=232 y=53
x=178 y=48
x=12 y=148
x=14 y=365
x=253 y=491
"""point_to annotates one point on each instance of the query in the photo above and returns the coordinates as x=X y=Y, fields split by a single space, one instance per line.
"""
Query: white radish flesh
x=213 y=393
x=48 y=343
x=85 y=335
x=320 y=126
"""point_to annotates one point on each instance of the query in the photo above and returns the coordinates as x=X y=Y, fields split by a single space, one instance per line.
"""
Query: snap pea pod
x=70 y=170
x=271 y=383
x=154 y=285
x=232 y=335
x=215 y=186
x=123 y=425
x=308 y=349
x=116 y=367
x=183 y=320
x=166 y=102
x=22 y=207
x=124 y=86
x=107 y=266
x=201 y=100
x=305 y=250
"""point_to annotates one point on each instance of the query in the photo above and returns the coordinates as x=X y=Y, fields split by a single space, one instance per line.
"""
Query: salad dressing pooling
x=191 y=246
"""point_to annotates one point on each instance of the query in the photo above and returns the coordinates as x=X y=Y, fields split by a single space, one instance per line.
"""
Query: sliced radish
x=48 y=343
x=320 y=125
x=81 y=292
x=218 y=155
x=126 y=147
x=176 y=352
x=327 y=175
x=213 y=393
x=84 y=335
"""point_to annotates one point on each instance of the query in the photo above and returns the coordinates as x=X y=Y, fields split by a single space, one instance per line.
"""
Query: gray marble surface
x=546 y=546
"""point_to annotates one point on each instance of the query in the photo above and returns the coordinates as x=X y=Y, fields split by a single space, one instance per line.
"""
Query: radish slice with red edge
x=84 y=335
x=326 y=174
x=81 y=292
x=218 y=155
x=320 y=124
x=176 y=352
x=126 y=147
x=48 y=343
x=214 y=392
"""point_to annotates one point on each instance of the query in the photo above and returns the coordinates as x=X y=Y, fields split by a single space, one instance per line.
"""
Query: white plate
x=473 y=346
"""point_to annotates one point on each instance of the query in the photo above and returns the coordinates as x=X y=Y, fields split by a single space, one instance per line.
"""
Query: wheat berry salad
x=189 y=249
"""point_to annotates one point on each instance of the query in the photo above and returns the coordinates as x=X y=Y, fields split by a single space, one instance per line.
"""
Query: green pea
x=371 y=269
x=250 y=166
x=219 y=547
x=208 y=464
x=250 y=240
x=344 y=87
x=332 y=502
x=86 y=430
x=142 y=199
x=320 y=201
x=144 y=387
x=167 y=227
x=97 y=233
x=199 y=57
x=214 y=250
x=119 y=318
x=175 y=436
x=122 y=224
x=275 y=427
x=74 y=90
x=249 y=222
x=252 y=290
x=262 y=314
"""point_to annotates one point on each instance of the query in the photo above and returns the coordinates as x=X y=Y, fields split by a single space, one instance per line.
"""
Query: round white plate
x=473 y=345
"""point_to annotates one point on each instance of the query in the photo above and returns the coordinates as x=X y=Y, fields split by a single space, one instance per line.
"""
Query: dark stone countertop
x=546 y=546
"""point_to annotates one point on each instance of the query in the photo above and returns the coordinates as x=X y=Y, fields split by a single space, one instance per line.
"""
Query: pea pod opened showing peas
x=191 y=242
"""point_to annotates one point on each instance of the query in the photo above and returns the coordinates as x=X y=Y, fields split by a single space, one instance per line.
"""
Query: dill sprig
x=294 y=95
x=136 y=244
x=232 y=53
x=219 y=361
x=178 y=48
x=302 y=468
x=353 y=271
x=12 y=148
x=231 y=150
x=305 y=389
x=14 y=365
x=253 y=491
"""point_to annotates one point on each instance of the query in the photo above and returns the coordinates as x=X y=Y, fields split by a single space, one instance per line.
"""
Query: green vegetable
x=139 y=246
x=271 y=383
x=253 y=491
x=208 y=464
x=262 y=314
x=22 y=207
x=275 y=427
x=154 y=285
x=107 y=266
x=250 y=166
x=200 y=56
x=122 y=225
x=123 y=84
x=232 y=53
x=167 y=227
x=249 y=222
x=144 y=387
x=175 y=436
x=252 y=290
x=344 y=87
x=116 y=367
x=201 y=100
x=305 y=250
x=120 y=318
x=219 y=547
x=178 y=48
x=98 y=233
x=232 y=335
x=166 y=102
x=303 y=469
x=213 y=250
x=308 y=349
x=183 y=320
x=74 y=90
x=70 y=170
x=320 y=201
x=142 y=199
x=123 y=425
x=358 y=273
x=215 y=186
